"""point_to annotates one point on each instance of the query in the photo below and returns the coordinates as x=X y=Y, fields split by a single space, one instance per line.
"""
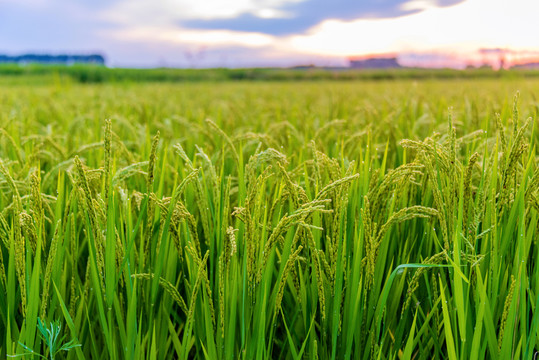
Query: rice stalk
x=48 y=270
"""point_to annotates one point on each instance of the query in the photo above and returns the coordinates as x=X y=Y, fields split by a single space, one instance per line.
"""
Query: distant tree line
x=63 y=59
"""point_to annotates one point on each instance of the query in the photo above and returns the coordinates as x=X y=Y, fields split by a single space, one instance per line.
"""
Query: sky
x=250 y=33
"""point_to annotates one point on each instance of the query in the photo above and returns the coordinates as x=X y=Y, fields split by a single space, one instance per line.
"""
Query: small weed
x=50 y=335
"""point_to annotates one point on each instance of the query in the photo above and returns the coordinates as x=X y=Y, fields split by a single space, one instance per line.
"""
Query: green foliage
x=91 y=74
x=261 y=220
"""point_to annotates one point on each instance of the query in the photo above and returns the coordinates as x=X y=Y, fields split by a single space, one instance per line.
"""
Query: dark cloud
x=308 y=13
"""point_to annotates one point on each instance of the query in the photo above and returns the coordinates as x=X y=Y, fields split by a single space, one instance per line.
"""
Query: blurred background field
x=99 y=74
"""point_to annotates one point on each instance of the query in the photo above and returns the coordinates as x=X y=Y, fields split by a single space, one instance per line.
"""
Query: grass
x=263 y=220
x=101 y=74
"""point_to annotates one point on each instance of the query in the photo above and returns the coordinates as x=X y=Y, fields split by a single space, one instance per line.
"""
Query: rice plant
x=269 y=220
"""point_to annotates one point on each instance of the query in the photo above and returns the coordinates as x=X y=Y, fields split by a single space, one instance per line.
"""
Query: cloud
x=264 y=32
x=208 y=38
x=171 y=11
x=300 y=16
x=461 y=30
x=275 y=17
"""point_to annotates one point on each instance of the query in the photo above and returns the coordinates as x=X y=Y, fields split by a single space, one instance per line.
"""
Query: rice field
x=269 y=220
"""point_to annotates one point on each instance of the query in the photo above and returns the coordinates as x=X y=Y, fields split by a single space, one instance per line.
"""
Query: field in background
x=100 y=74
x=223 y=220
